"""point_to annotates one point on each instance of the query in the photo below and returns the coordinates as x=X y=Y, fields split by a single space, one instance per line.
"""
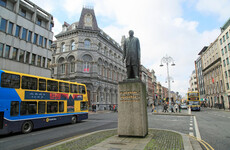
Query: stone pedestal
x=132 y=109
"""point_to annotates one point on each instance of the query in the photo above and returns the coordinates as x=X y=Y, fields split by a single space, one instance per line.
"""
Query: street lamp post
x=167 y=60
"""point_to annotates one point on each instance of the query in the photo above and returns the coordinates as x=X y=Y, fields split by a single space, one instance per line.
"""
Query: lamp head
x=161 y=65
x=173 y=64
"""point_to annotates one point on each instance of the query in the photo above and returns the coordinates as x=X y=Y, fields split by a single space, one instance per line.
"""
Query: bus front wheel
x=73 y=119
x=27 y=127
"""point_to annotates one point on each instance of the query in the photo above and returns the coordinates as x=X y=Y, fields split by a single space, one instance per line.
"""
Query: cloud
x=160 y=27
x=162 y=30
x=72 y=7
x=215 y=7
x=57 y=27
x=47 y=5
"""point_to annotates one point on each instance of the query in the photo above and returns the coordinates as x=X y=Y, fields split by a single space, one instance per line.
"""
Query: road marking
x=191 y=124
x=197 y=129
x=191 y=134
x=190 y=128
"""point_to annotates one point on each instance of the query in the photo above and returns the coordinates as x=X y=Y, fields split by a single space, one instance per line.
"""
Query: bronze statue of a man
x=132 y=55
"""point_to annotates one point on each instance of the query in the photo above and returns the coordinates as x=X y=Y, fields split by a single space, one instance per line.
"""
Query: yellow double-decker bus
x=29 y=102
x=193 y=100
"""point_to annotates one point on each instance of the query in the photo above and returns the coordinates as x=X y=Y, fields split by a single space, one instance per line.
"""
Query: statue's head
x=131 y=33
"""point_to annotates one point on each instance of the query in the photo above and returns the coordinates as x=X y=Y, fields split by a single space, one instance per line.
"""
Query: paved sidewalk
x=108 y=140
x=122 y=143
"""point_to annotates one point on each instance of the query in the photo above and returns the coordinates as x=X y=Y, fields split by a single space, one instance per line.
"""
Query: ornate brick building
x=86 y=54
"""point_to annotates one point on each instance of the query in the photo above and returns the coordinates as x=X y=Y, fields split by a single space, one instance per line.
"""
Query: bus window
x=14 y=108
x=29 y=83
x=41 y=107
x=52 y=85
x=61 y=106
x=73 y=88
x=28 y=108
x=52 y=107
x=84 y=106
x=42 y=84
x=63 y=87
x=81 y=89
x=10 y=81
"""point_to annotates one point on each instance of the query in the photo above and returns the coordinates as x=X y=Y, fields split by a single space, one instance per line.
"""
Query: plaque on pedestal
x=132 y=109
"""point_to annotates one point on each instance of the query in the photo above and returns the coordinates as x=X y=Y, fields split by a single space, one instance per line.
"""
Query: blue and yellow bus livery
x=30 y=102
x=193 y=100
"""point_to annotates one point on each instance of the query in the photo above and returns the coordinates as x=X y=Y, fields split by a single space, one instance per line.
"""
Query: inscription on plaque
x=130 y=96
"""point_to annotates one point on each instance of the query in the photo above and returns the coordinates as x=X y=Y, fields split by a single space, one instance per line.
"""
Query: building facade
x=193 y=82
x=159 y=93
x=154 y=85
x=165 y=93
x=213 y=77
x=84 y=53
x=224 y=45
x=199 y=75
x=26 y=36
x=146 y=77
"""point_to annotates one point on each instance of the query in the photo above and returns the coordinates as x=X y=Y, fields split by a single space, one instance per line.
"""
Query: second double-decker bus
x=193 y=100
x=29 y=102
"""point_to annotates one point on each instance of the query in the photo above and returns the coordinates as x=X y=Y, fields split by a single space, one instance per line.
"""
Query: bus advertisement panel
x=29 y=102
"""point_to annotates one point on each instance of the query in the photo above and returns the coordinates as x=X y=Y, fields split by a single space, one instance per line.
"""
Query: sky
x=175 y=28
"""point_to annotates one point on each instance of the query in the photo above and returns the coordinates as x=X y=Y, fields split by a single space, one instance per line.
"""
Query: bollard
x=189 y=110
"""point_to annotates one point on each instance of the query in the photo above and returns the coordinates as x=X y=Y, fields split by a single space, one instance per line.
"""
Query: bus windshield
x=193 y=94
x=193 y=102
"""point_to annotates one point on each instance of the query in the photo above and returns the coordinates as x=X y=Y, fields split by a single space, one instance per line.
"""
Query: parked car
x=183 y=106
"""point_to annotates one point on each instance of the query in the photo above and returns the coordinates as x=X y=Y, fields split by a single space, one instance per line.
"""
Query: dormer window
x=73 y=26
x=64 y=28
x=88 y=20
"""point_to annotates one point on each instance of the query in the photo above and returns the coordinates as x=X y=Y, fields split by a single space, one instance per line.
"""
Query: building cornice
x=212 y=64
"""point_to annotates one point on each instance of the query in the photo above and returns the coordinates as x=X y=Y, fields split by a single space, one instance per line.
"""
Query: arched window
x=99 y=46
x=87 y=43
x=106 y=69
x=63 y=47
x=111 y=71
x=106 y=51
x=87 y=59
x=72 y=45
x=62 y=65
x=71 y=61
x=100 y=66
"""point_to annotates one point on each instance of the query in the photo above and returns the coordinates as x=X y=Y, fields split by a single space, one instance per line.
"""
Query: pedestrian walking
x=179 y=108
x=165 y=108
x=172 y=108
x=176 y=107
x=153 y=107
x=114 y=108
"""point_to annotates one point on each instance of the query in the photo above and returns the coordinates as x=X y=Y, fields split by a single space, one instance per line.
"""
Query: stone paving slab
x=122 y=143
x=108 y=140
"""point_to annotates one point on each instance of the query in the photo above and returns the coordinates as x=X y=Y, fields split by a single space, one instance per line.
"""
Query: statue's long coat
x=132 y=51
